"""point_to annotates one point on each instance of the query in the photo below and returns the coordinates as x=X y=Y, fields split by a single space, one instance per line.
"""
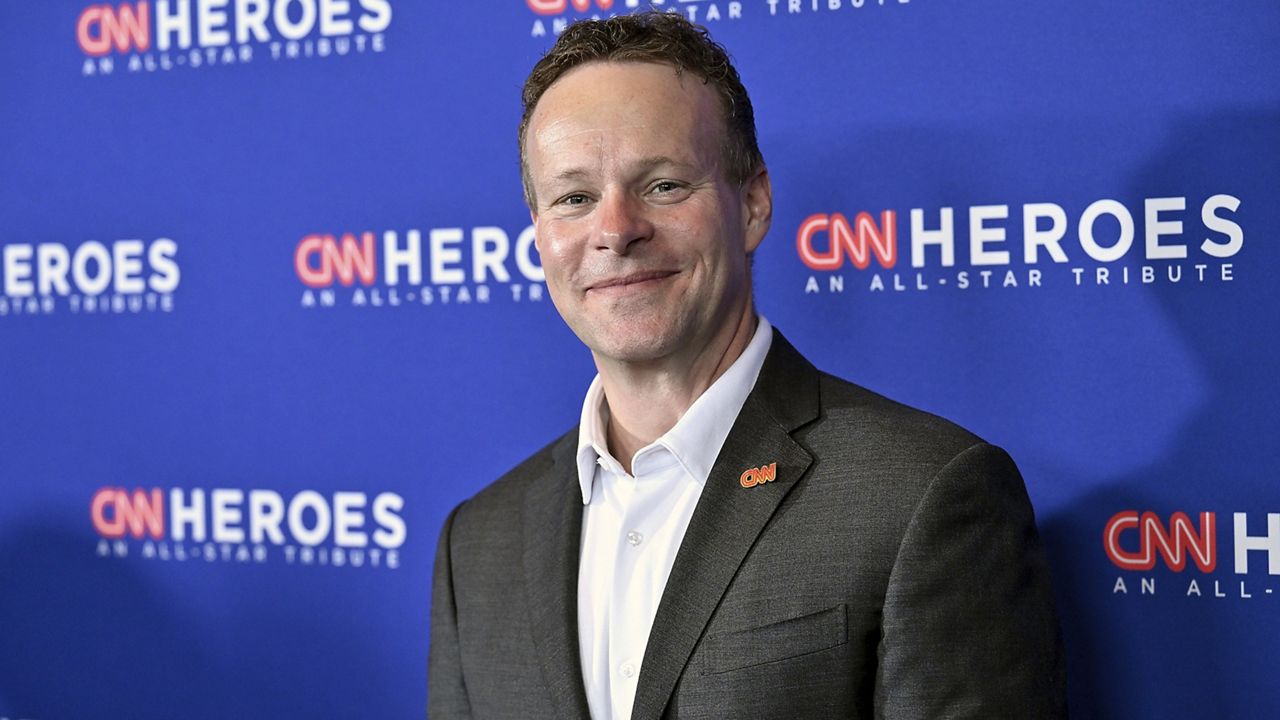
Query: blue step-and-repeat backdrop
x=270 y=308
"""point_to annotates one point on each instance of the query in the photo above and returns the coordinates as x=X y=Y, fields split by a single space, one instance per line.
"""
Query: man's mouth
x=630 y=281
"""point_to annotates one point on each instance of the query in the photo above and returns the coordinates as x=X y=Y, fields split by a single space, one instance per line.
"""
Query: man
x=729 y=532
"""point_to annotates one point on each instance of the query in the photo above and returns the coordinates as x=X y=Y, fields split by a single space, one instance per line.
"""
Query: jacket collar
x=552 y=532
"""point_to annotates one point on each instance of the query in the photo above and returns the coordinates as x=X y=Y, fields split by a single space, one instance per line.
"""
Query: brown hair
x=654 y=37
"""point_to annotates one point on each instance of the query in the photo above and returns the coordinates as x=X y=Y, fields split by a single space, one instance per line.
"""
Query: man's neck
x=647 y=401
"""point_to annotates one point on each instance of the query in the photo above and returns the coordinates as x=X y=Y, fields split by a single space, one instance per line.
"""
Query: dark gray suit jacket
x=892 y=570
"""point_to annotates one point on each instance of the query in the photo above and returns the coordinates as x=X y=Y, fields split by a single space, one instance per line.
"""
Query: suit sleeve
x=446 y=688
x=969 y=629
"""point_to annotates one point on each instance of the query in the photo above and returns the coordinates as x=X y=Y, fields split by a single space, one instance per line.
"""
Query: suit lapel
x=729 y=518
x=552 y=533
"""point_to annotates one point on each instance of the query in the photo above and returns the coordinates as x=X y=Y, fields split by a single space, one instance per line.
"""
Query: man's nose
x=621 y=222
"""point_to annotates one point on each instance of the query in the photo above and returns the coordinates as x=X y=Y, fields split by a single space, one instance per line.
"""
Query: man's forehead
x=563 y=128
x=645 y=102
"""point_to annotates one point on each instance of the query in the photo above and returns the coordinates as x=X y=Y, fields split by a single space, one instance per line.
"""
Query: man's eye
x=574 y=199
x=666 y=186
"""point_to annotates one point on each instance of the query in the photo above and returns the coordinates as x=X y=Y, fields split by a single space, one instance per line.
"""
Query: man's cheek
x=557 y=255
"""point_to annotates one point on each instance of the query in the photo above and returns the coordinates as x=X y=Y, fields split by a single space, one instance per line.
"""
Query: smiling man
x=728 y=532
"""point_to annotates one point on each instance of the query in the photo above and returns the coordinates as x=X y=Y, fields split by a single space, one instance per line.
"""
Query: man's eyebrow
x=570 y=174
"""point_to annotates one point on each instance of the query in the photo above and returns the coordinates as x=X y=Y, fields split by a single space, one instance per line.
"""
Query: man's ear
x=537 y=236
x=757 y=208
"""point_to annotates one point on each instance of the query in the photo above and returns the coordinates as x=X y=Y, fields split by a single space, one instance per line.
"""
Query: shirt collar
x=697 y=437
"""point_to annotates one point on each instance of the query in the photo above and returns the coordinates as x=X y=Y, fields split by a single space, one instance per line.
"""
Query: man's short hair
x=653 y=37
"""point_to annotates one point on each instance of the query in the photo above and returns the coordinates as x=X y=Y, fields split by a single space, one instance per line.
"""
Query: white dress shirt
x=632 y=525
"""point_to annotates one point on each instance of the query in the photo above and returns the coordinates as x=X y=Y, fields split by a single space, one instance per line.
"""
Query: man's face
x=643 y=239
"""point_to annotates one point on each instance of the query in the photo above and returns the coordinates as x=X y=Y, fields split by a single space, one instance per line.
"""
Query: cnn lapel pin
x=759 y=475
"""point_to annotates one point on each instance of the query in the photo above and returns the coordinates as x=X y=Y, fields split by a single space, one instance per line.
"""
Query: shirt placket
x=636 y=596
x=626 y=636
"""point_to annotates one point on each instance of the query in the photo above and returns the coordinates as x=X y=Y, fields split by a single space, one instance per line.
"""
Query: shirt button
x=635 y=538
x=628 y=670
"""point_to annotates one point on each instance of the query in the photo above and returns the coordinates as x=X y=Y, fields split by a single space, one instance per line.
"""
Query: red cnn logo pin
x=759 y=475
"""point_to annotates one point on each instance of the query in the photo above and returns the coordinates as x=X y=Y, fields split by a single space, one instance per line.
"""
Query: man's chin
x=630 y=355
x=636 y=347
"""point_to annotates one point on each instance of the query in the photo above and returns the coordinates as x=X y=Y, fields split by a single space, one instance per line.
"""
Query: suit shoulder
x=873 y=452
x=500 y=501
x=878 y=424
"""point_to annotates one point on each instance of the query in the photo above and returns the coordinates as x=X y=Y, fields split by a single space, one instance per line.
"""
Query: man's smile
x=630 y=282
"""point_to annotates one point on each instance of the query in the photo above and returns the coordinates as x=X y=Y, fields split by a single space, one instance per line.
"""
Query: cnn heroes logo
x=145 y=36
x=345 y=529
x=438 y=267
x=1136 y=542
x=1154 y=239
x=122 y=277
